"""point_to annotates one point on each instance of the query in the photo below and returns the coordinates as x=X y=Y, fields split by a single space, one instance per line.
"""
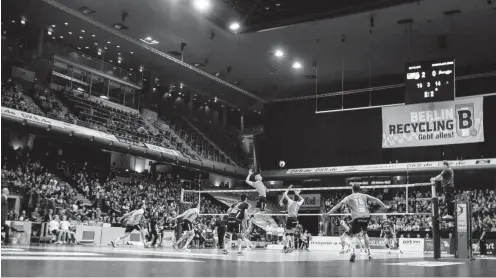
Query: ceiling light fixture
x=65 y=23
x=82 y=30
x=70 y=33
x=87 y=47
x=131 y=52
x=23 y=20
x=118 y=46
x=80 y=37
x=149 y=40
x=50 y=31
x=279 y=53
x=93 y=35
x=297 y=65
x=234 y=26
x=99 y=52
x=53 y=38
x=202 y=5
x=61 y=37
x=108 y=42
x=53 y=25
x=96 y=43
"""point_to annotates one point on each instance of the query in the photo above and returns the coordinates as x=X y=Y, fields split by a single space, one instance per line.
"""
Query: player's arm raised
x=377 y=201
x=338 y=206
x=301 y=200
x=250 y=183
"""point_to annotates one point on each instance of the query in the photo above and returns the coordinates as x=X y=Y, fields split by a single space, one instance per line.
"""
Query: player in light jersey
x=132 y=221
x=292 y=220
x=346 y=236
x=357 y=204
x=246 y=232
x=261 y=189
x=188 y=218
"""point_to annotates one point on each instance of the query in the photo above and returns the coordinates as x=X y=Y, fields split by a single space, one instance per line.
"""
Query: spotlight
x=50 y=31
x=66 y=23
x=92 y=139
x=23 y=20
x=234 y=26
x=297 y=65
x=49 y=127
x=71 y=133
x=279 y=53
x=202 y=5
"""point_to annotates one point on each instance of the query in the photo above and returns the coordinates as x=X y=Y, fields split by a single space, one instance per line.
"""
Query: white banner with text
x=436 y=123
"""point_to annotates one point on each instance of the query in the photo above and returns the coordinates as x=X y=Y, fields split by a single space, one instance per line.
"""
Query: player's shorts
x=359 y=224
x=186 y=225
x=388 y=235
x=130 y=228
x=291 y=223
x=233 y=226
x=279 y=238
x=261 y=203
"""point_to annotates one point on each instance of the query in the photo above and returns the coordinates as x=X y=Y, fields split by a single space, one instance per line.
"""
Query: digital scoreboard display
x=430 y=81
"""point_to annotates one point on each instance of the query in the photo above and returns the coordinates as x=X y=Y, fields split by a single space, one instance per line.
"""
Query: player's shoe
x=370 y=257
x=225 y=251
x=113 y=243
x=352 y=258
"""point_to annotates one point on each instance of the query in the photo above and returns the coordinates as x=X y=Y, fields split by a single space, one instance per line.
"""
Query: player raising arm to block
x=360 y=215
x=292 y=219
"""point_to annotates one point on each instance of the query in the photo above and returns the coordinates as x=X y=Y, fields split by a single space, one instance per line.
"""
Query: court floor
x=125 y=261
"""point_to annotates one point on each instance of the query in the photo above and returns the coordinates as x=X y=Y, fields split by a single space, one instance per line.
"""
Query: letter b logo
x=465 y=125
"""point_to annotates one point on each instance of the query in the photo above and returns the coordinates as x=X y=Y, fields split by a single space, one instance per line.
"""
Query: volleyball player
x=187 y=219
x=346 y=236
x=292 y=219
x=446 y=178
x=388 y=231
x=246 y=232
x=260 y=188
x=132 y=221
x=357 y=203
x=236 y=215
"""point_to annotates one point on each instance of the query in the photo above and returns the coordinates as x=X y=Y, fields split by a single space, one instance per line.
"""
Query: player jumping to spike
x=260 y=188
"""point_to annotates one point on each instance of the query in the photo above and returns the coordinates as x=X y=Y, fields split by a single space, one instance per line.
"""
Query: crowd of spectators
x=13 y=96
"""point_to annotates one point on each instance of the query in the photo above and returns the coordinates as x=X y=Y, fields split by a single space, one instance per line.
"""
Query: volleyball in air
x=282 y=163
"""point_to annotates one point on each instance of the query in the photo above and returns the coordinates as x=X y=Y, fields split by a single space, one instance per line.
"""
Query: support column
x=242 y=118
x=41 y=39
x=224 y=116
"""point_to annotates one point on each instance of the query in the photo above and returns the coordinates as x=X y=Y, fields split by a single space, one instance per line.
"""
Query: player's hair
x=243 y=197
x=446 y=163
x=355 y=188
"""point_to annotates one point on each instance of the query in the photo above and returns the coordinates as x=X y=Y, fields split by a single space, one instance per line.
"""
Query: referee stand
x=463 y=227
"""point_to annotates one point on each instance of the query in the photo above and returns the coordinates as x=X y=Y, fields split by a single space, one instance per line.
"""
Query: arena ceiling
x=352 y=48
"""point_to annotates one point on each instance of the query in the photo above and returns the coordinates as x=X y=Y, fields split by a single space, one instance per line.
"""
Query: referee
x=446 y=178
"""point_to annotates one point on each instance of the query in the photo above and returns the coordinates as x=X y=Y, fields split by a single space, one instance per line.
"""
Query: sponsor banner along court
x=430 y=124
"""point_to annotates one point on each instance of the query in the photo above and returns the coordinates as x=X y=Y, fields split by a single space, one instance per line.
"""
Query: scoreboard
x=430 y=81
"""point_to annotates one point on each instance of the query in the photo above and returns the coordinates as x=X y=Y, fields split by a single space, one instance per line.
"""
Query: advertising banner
x=325 y=243
x=411 y=244
x=394 y=167
x=362 y=181
x=430 y=124
x=162 y=150
x=47 y=121
x=429 y=246
x=311 y=200
x=490 y=246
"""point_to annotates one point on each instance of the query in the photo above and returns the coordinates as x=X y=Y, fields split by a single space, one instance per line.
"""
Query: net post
x=436 y=237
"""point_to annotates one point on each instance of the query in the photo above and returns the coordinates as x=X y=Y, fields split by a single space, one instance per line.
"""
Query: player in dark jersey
x=446 y=178
x=389 y=233
x=236 y=215
x=357 y=204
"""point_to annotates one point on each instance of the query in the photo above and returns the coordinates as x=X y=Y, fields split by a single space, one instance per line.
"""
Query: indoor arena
x=248 y=138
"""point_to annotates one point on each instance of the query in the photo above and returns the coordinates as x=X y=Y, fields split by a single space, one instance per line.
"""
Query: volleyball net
x=232 y=196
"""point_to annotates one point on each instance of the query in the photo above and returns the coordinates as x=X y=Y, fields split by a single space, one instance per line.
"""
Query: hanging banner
x=436 y=123
x=311 y=200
